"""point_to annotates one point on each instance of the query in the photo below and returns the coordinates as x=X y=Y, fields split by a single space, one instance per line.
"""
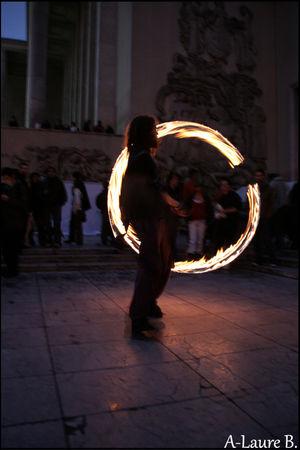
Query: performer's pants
x=154 y=265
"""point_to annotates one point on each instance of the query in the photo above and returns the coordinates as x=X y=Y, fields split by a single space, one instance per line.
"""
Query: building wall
x=274 y=28
x=152 y=47
x=155 y=38
x=90 y=153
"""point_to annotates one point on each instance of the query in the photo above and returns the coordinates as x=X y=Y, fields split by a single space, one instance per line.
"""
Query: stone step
x=40 y=259
x=75 y=266
x=73 y=251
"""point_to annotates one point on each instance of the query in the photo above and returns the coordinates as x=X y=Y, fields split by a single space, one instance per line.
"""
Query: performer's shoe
x=156 y=312
x=139 y=326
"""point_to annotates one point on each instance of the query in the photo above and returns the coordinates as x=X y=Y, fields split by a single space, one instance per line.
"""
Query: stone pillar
x=67 y=90
x=108 y=55
x=97 y=62
x=3 y=88
x=87 y=61
x=37 y=63
x=124 y=63
x=79 y=117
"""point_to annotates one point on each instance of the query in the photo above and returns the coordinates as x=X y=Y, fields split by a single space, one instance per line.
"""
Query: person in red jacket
x=199 y=208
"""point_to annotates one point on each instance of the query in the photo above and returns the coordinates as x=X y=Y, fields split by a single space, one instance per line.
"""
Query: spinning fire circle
x=181 y=130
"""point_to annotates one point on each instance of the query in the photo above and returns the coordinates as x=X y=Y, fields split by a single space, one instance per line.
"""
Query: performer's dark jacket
x=141 y=191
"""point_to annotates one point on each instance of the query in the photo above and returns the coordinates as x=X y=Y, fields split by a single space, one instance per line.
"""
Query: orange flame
x=183 y=130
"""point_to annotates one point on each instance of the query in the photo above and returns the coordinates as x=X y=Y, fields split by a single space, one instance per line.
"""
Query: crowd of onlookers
x=87 y=126
x=31 y=205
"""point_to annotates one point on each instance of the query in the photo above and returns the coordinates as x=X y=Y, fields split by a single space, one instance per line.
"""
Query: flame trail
x=182 y=130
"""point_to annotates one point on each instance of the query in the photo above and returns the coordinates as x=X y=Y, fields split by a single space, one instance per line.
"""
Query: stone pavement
x=224 y=362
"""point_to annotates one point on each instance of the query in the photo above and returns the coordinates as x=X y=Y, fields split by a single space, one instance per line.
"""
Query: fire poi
x=181 y=130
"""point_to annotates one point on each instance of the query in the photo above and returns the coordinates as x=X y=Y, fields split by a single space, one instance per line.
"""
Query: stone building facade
x=230 y=65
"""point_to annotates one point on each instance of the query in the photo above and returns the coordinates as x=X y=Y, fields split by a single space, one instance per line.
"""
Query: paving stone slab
x=76 y=358
x=61 y=318
x=29 y=399
x=18 y=321
x=210 y=343
x=39 y=435
x=189 y=424
x=24 y=362
x=107 y=330
x=130 y=387
x=263 y=367
x=23 y=337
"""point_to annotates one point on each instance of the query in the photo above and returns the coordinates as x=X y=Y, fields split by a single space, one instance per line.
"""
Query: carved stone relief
x=212 y=80
x=94 y=164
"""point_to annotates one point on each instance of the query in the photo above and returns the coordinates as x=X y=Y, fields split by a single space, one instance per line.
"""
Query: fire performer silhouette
x=150 y=211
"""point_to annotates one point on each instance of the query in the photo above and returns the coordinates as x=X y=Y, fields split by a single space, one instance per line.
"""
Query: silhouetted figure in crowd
x=13 y=122
x=87 y=126
x=200 y=211
x=80 y=204
x=293 y=228
x=174 y=188
x=279 y=217
x=58 y=125
x=13 y=220
x=189 y=186
x=22 y=180
x=148 y=210
x=109 y=130
x=55 y=197
x=227 y=225
x=46 y=124
x=99 y=128
x=262 y=241
x=37 y=200
x=101 y=203
x=73 y=127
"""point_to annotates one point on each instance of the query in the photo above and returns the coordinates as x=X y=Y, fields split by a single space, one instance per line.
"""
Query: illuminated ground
x=224 y=363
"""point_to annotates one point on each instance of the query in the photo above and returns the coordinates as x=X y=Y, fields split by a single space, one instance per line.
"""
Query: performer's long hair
x=141 y=134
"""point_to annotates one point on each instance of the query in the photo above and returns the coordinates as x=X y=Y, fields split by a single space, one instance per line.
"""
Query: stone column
x=108 y=52
x=3 y=88
x=97 y=62
x=36 y=93
x=124 y=62
x=87 y=61
x=79 y=116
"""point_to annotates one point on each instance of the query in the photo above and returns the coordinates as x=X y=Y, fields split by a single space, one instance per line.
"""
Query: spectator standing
x=87 y=126
x=109 y=130
x=101 y=203
x=189 y=186
x=37 y=201
x=80 y=204
x=46 y=124
x=99 y=128
x=293 y=229
x=227 y=224
x=13 y=122
x=200 y=213
x=13 y=220
x=174 y=190
x=55 y=197
x=262 y=240
x=74 y=128
x=58 y=125
x=22 y=180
